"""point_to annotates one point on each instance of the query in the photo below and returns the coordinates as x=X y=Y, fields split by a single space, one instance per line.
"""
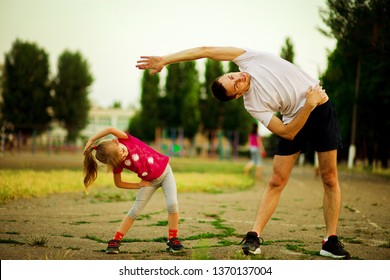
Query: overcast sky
x=113 y=34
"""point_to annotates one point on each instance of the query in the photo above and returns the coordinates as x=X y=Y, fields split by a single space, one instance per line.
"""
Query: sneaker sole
x=170 y=250
x=255 y=252
x=329 y=254
x=112 y=252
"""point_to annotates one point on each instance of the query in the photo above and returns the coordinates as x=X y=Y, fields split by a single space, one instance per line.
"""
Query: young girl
x=257 y=152
x=126 y=151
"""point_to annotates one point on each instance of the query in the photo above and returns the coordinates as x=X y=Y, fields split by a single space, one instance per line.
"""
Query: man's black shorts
x=321 y=131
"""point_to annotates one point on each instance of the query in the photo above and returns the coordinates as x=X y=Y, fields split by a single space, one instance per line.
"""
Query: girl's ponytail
x=90 y=168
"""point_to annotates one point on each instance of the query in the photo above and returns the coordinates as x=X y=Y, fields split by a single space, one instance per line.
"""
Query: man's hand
x=154 y=63
x=316 y=96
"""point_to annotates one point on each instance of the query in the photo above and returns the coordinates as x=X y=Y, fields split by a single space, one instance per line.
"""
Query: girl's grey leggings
x=168 y=184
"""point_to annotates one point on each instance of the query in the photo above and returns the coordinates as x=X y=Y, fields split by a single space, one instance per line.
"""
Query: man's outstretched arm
x=157 y=63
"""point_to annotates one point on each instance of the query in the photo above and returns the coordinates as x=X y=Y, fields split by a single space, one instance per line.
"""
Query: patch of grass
x=217 y=224
x=34 y=240
x=159 y=224
x=94 y=238
x=113 y=196
x=201 y=252
x=12 y=232
x=79 y=223
x=351 y=209
x=144 y=216
x=67 y=235
x=17 y=184
x=162 y=239
x=60 y=255
x=300 y=249
x=115 y=221
x=386 y=245
x=11 y=241
x=191 y=174
x=225 y=243
x=212 y=182
x=202 y=165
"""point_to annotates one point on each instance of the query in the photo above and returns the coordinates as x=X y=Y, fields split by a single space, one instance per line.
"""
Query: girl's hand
x=88 y=145
x=144 y=183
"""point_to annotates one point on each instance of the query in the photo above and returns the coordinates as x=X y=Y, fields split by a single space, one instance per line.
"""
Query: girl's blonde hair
x=107 y=153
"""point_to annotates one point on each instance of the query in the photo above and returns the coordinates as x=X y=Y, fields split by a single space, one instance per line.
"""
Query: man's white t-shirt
x=276 y=85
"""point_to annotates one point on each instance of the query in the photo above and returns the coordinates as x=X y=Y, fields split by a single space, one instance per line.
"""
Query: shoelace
x=175 y=241
x=260 y=239
x=113 y=243
x=339 y=243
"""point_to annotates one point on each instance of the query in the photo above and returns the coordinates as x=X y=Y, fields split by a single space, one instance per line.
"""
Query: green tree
x=358 y=73
x=145 y=121
x=191 y=93
x=287 y=51
x=26 y=88
x=173 y=99
x=211 y=108
x=180 y=103
x=71 y=85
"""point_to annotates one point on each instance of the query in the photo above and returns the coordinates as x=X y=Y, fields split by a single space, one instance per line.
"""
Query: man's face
x=235 y=83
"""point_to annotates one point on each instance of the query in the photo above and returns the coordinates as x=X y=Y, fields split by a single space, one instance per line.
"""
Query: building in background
x=101 y=118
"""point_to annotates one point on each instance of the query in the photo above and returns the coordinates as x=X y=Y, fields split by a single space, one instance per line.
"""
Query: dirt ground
x=74 y=226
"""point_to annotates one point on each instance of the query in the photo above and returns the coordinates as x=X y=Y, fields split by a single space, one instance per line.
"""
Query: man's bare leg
x=282 y=168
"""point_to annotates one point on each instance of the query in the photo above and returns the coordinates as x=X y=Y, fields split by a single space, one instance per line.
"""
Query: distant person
x=256 y=151
x=126 y=151
x=270 y=84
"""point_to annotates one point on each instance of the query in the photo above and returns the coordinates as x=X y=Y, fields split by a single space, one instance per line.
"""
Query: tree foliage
x=181 y=98
x=210 y=107
x=145 y=121
x=287 y=51
x=26 y=88
x=358 y=70
x=71 y=85
x=191 y=93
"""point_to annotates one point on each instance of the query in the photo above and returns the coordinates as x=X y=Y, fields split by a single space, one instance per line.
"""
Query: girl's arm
x=107 y=131
x=157 y=63
x=126 y=185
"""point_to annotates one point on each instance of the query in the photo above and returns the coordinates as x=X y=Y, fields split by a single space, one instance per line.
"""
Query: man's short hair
x=219 y=91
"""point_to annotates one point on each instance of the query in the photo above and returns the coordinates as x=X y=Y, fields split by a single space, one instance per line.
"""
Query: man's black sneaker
x=252 y=244
x=334 y=248
x=174 y=245
x=113 y=246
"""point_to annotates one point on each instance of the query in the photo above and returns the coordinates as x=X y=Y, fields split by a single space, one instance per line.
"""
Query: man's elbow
x=288 y=136
x=205 y=51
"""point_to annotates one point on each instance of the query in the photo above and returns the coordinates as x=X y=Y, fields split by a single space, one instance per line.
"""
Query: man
x=269 y=85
